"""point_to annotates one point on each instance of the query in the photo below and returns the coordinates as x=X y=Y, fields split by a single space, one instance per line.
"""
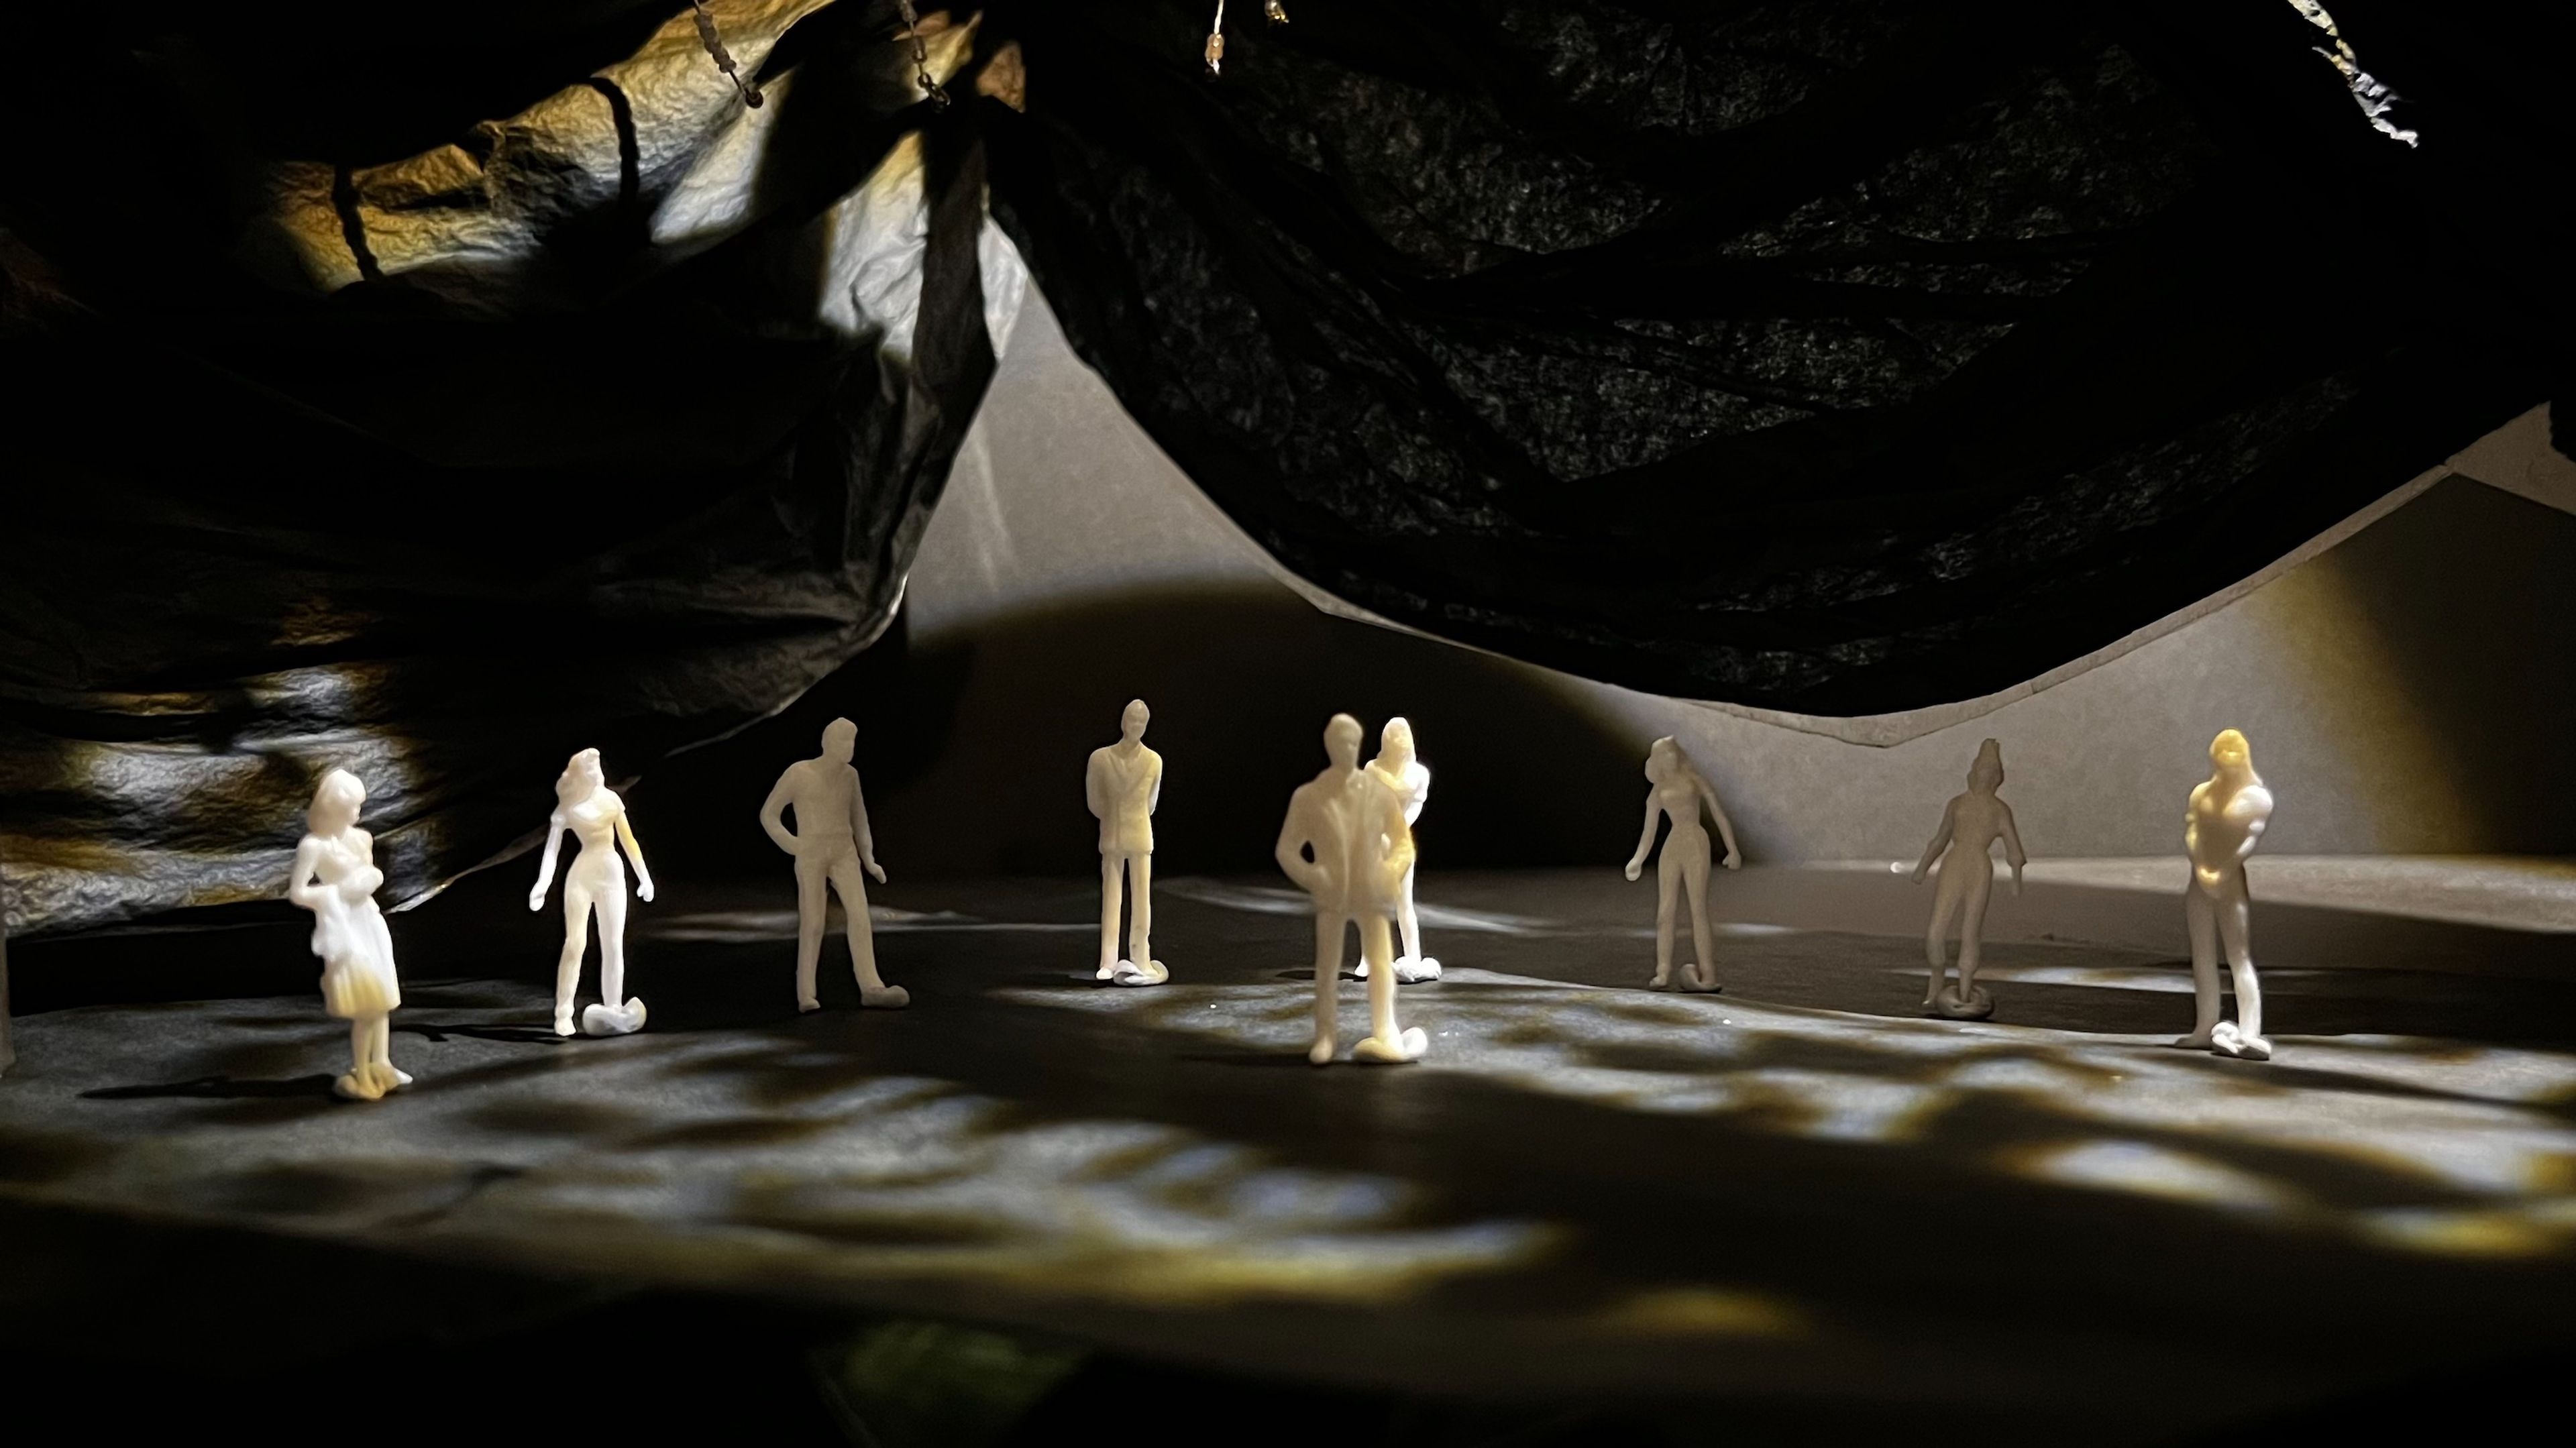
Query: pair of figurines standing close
x=1348 y=843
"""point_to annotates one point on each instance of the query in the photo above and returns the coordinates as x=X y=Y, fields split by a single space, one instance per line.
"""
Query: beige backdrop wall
x=2410 y=690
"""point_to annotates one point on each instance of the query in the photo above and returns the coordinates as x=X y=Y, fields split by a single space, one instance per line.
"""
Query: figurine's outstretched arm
x=1291 y=854
x=773 y=813
x=555 y=827
x=300 y=887
x=1940 y=840
x=635 y=852
x=1725 y=827
x=1646 y=841
x=2012 y=846
x=859 y=829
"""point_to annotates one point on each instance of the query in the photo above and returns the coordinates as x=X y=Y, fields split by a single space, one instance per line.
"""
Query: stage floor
x=1795 y=1192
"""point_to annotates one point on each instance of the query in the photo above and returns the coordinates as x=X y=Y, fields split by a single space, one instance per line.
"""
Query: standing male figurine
x=831 y=844
x=2226 y=817
x=1346 y=844
x=1123 y=784
x=1406 y=774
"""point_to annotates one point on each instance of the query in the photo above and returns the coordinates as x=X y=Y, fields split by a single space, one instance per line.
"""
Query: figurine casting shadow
x=585 y=805
x=336 y=878
x=1346 y=844
x=2225 y=819
x=1123 y=783
x=832 y=846
x=1403 y=772
x=1677 y=792
x=1970 y=825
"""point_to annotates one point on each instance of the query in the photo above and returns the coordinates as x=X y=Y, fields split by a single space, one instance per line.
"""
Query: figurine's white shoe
x=1150 y=973
x=1976 y=1005
x=1699 y=980
x=606 y=1020
x=1407 y=1047
x=1109 y=969
x=2196 y=1041
x=387 y=1079
x=1663 y=981
x=806 y=1004
x=1320 y=1053
x=1410 y=969
x=563 y=1022
x=884 y=998
x=357 y=1087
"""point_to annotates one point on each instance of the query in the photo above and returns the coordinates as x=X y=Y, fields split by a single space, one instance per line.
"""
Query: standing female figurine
x=1405 y=773
x=1969 y=828
x=585 y=805
x=1678 y=791
x=336 y=878
x=2220 y=827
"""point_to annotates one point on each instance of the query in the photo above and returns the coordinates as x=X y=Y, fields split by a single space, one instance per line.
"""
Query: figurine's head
x=1987 y=774
x=1663 y=759
x=2230 y=754
x=1342 y=741
x=336 y=804
x=1395 y=742
x=1131 y=725
x=840 y=740
x=582 y=777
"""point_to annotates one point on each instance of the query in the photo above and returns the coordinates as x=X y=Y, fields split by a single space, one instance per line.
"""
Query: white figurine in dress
x=1677 y=791
x=1346 y=844
x=336 y=878
x=1123 y=783
x=1970 y=825
x=1406 y=774
x=832 y=846
x=2225 y=819
x=585 y=805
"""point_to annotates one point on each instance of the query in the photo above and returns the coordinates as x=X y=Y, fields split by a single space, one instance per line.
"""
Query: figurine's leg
x=1972 y=931
x=2204 y=965
x=1140 y=909
x=1406 y=920
x=1936 y=936
x=1703 y=934
x=612 y=946
x=362 y=1048
x=2235 y=933
x=568 y=966
x=1112 y=866
x=1328 y=982
x=1385 y=1041
x=380 y=1054
x=852 y=882
x=1667 y=902
x=812 y=905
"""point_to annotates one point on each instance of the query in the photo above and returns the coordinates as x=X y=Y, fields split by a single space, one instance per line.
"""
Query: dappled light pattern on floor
x=1797 y=1187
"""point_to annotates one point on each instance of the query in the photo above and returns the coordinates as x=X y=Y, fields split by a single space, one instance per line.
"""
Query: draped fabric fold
x=1831 y=357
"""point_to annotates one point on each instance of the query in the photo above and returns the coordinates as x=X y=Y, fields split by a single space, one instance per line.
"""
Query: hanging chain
x=930 y=87
x=707 y=36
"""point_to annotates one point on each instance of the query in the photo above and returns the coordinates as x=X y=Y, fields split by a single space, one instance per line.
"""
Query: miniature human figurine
x=1346 y=844
x=831 y=845
x=2225 y=819
x=1123 y=783
x=336 y=878
x=585 y=805
x=1970 y=825
x=1677 y=791
x=1405 y=773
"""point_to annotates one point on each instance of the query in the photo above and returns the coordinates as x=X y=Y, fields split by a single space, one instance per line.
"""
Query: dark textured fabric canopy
x=1834 y=356
x=439 y=390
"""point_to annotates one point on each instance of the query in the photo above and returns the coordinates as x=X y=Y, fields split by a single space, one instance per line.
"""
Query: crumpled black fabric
x=248 y=535
x=1830 y=356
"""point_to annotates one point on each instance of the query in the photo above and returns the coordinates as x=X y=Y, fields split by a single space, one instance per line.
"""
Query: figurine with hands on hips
x=832 y=848
x=596 y=884
x=1677 y=791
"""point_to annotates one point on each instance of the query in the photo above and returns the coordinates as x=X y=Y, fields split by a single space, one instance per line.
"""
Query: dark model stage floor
x=1793 y=1210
